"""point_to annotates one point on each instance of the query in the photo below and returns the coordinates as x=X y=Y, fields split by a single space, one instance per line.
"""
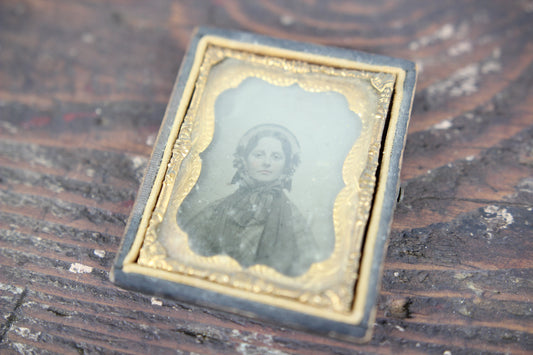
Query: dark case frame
x=387 y=180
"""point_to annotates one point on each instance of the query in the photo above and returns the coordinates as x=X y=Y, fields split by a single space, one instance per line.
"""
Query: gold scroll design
x=351 y=209
x=152 y=253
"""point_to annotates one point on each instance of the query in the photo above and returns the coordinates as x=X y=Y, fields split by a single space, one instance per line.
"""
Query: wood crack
x=12 y=318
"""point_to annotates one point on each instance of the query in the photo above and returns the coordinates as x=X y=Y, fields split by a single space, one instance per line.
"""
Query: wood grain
x=83 y=89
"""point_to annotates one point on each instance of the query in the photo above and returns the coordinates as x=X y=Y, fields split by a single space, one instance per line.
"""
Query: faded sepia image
x=262 y=196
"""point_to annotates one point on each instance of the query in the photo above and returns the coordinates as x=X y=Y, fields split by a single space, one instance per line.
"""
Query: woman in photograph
x=258 y=224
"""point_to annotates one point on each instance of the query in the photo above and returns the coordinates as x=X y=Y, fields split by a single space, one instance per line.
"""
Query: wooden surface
x=83 y=89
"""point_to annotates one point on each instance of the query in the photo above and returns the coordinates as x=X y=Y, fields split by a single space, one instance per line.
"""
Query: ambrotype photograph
x=267 y=183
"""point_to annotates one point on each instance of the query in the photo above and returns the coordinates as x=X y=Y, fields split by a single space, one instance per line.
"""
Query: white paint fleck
x=99 y=253
x=24 y=348
x=470 y=158
x=247 y=349
x=464 y=311
x=138 y=161
x=443 y=125
x=466 y=78
x=445 y=32
x=156 y=302
x=268 y=339
x=526 y=185
x=507 y=216
x=447 y=352
x=462 y=82
x=11 y=129
x=150 y=140
x=399 y=328
x=491 y=66
x=502 y=217
x=460 y=48
x=87 y=37
x=78 y=268
x=235 y=333
x=473 y=287
x=286 y=20
x=56 y=189
x=491 y=209
x=462 y=275
x=98 y=111
x=12 y=289
x=442 y=34
x=26 y=333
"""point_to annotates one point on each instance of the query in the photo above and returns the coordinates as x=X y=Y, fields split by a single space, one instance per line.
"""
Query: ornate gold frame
x=335 y=288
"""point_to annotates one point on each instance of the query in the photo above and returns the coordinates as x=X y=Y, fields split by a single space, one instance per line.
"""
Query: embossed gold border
x=191 y=276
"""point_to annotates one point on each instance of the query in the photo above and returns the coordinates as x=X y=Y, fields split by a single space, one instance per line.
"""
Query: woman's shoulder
x=295 y=211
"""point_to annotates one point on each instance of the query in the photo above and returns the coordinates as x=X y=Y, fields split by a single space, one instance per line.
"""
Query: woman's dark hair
x=249 y=141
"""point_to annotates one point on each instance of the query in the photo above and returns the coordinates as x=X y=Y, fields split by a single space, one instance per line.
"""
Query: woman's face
x=266 y=161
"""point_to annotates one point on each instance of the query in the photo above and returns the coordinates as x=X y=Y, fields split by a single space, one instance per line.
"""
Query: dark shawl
x=254 y=225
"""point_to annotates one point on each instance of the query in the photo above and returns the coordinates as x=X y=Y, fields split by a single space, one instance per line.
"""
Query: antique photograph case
x=272 y=183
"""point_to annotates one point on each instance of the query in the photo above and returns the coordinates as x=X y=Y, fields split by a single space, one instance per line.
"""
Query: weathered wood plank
x=83 y=88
